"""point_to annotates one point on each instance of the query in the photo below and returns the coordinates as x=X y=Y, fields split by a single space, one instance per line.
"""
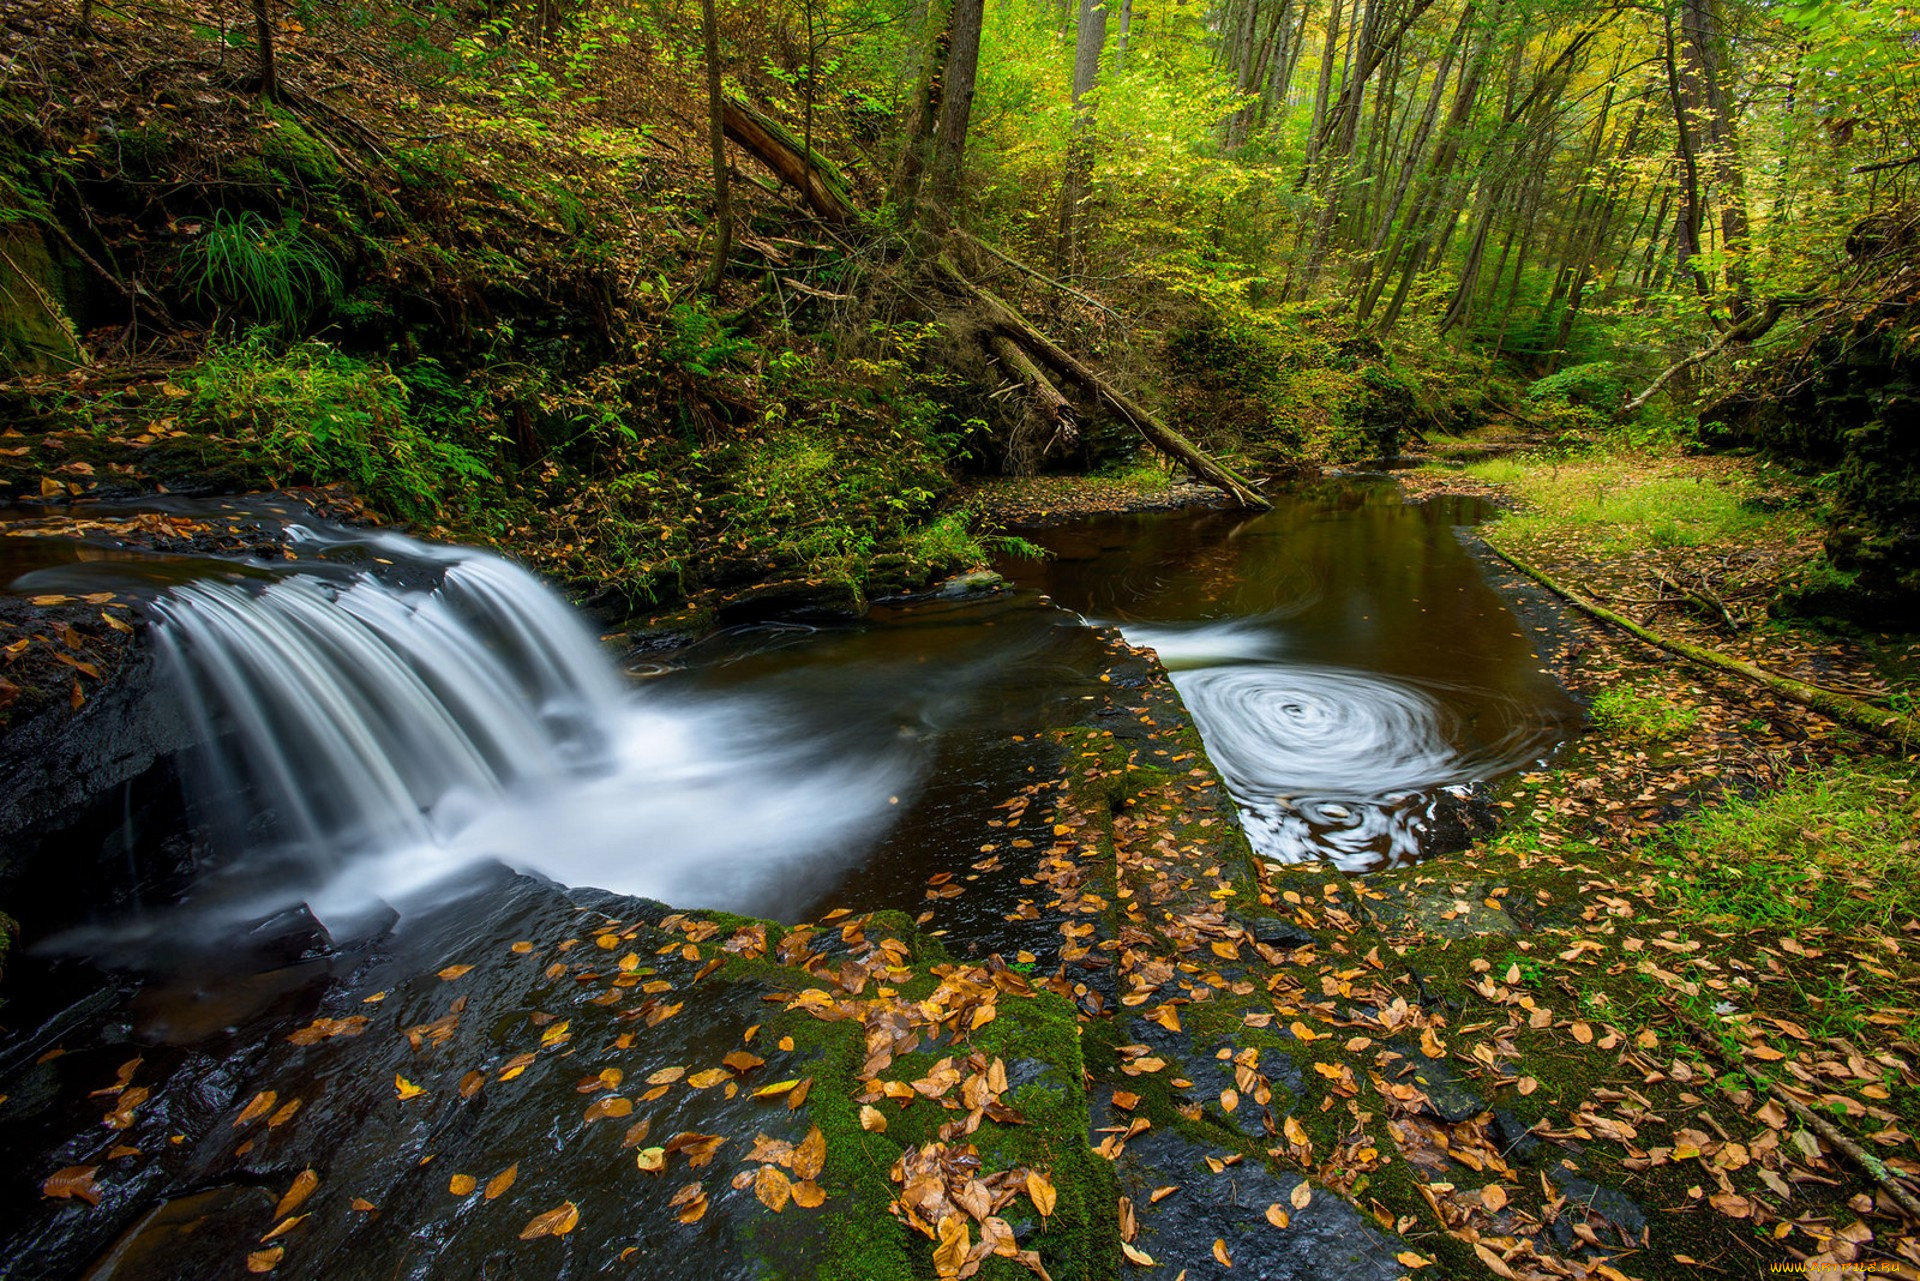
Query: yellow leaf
x=777 y=1087
x=461 y=1184
x=1302 y=1031
x=302 y=1187
x=453 y=972
x=265 y=1260
x=1302 y=1195
x=872 y=1119
x=262 y=1104
x=406 y=1089
x=1220 y=1252
x=1041 y=1189
x=809 y=1195
x=555 y=1034
x=1409 y=1259
x=1493 y=1196
x=956 y=1238
x=772 y=1187
x=556 y=1222
x=500 y=1182
x=1139 y=1258
x=1277 y=1217
x=652 y=1160
x=708 y=1079
x=666 y=1076
x=810 y=1155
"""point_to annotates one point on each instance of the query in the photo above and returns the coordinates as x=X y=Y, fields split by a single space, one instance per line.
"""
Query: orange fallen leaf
x=500 y=1182
x=73 y=1181
x=556 y=1222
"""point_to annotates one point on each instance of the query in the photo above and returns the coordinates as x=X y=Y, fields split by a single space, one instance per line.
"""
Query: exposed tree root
x=1046 y=400
x=1902 y=731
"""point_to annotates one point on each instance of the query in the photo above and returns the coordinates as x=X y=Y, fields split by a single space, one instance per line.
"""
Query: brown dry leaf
x=809 y=1195
x=1494 y=1197
x=1409 y=1259
x=1220 y=1252
x=500 y=1182
x=708 y=1079
x=772 y=1187
x=302 y=1187
x=285 y=1226
x=810 y=1156
x=73 y=1181
x=872 y=1119
x=470 y=1084
x=556 y=1222
x=1302 y=1195
x=1041 y=1189
x=1583 y=1033
x=608 y=1105
x=453 y=972
x=1277 y=1217
x=1162 y=1193
x=265 y=1260
x=461 y=1184
x=690 y=1202
x=1495 y=1264
x=1139 y=1258
x=363 y=1205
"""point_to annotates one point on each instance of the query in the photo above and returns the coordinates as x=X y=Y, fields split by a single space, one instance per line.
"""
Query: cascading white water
x=366 y=740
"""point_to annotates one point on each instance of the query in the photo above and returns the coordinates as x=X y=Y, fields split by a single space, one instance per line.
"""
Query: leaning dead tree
x=1061 y=388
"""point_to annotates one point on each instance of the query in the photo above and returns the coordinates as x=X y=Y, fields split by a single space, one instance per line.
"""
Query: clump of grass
x=244 y=265
x=1641 y=715
x=1831 y=848
x=1625 y=503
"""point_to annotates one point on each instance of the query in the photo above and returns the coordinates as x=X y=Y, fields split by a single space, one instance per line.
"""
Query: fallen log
x=811 y=174
x=1902 y=731
x=1010 y=323
x=1046 y=399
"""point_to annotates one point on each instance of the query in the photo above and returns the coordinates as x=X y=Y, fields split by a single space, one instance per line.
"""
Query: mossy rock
x=36 y=333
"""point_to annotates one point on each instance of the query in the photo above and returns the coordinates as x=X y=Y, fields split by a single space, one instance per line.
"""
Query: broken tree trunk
x=1013 y=325
x=1046 y=399
x=811 y=174
x=1902 y=731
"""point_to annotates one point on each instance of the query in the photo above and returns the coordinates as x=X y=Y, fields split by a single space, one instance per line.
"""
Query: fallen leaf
x=500 y=1182
x=73 y=1181
x=872 y=1119
x=302 y=1187
x=1041 y=1189
x=771 y=1186
x=1302 y=1195
x=266 y=1260
x=1277 y=1217
x=556 y=1222
x=461 y=1184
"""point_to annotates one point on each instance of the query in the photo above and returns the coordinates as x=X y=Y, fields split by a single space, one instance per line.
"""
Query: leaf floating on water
x=500 y=1182
x=364 y=1206
x=522 y=947
x=266 y=1260
x=302 y=1187
x=453 y=972
x=73 y=1181
x=470 y=1084
x=556 y=1222
x=461 y=1184
x=636 y=1133
x=742 y=1062
x=406 y=1089
x=1041 y=1189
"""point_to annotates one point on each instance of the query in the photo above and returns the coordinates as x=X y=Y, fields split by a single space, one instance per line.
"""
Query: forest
x=548 y=546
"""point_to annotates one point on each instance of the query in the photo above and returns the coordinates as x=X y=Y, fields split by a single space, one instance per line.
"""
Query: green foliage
x=1831 y=848
x=1596 y=384
x=246 y=267
x=698 y=342
x=1640 y=714
x=309 y=413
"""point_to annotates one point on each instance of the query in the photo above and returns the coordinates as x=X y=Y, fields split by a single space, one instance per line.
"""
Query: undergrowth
x=1620 y=503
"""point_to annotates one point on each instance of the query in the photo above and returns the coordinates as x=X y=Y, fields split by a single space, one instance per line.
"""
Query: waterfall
x=368 y=733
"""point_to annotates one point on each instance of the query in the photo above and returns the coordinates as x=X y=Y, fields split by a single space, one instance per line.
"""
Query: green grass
x=1832 y=848
x=1640 y=715
x=1624 y=503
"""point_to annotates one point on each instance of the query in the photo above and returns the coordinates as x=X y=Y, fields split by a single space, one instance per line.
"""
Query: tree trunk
x=717 y=140
x=1090 y=36
x=956 y=106
x=263 y=38
x=923 y=109
x=1120 y=45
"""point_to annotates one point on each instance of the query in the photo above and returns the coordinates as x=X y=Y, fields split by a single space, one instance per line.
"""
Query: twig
x=1024 y=269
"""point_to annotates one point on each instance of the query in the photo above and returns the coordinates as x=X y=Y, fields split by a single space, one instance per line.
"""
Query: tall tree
x=1090 y=36
x=717 y=138
x=958 y=84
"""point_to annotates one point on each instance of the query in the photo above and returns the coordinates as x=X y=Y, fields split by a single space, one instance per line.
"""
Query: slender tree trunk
x=956 y=104
x=923 y=108
x=263 y=39
x=717 y=138
x=1090 y=36
x=1126 y=26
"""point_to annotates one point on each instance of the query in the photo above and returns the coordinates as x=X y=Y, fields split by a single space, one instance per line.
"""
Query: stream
x=390 y=731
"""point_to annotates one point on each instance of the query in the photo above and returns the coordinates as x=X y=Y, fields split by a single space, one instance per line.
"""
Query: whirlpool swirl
x=1363 y=770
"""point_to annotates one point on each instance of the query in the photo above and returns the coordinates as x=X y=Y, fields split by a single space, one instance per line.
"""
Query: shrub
x=311 y=413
